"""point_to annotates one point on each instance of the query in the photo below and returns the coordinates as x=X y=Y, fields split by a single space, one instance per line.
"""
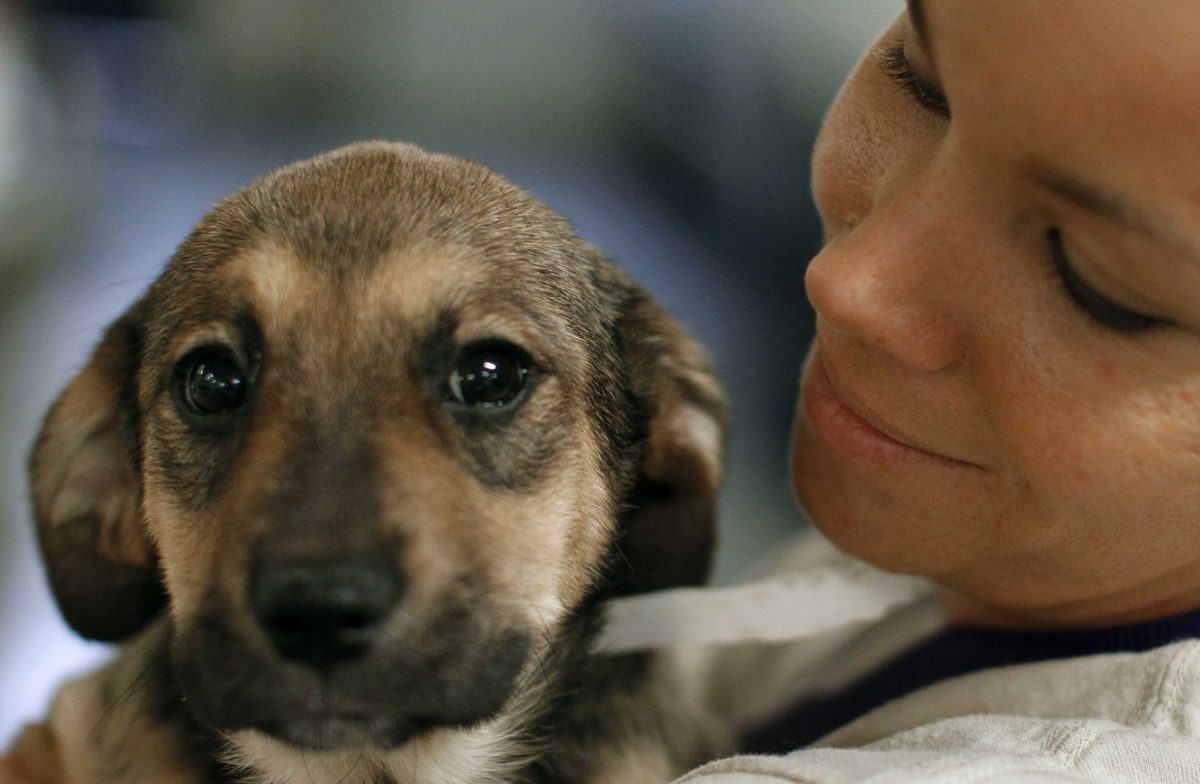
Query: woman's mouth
x=853 y=430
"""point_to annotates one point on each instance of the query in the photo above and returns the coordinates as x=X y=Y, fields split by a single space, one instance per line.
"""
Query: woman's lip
x=848 y=426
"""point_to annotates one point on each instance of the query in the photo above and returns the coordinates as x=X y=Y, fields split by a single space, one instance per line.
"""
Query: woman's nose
x=885 y=283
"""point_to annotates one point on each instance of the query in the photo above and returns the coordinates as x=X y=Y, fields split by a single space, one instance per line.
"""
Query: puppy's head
x=380 y=427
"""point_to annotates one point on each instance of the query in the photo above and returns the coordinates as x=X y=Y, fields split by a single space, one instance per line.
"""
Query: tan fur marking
x=515 y=543
x=210 y=548
x=276 y=281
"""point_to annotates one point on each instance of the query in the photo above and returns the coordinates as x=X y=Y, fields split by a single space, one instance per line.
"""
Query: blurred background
x=674 y=133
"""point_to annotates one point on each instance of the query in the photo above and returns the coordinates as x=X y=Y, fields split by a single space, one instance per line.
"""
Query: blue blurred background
x=675 y=134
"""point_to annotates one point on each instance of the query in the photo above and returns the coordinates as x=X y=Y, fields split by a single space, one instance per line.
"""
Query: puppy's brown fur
x=345 y=289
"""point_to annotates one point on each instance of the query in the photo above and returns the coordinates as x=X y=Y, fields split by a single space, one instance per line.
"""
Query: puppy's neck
x=510 y=747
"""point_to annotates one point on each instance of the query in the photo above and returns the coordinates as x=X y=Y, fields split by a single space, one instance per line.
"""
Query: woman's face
x=1004 y=390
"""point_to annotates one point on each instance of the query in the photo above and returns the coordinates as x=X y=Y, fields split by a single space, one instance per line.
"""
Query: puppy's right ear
x=86 y=489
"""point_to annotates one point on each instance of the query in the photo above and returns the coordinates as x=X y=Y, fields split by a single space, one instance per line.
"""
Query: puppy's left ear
x=668 y=531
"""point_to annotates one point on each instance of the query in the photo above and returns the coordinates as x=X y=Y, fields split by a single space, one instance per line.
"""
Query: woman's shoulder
x=1158 y=690
x=1112 y=718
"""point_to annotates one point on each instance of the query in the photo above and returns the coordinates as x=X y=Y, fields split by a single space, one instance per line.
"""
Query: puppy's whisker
x=628 y=564
x=543 y=667
x=353 y=768
x=307 y=768
x=547 y=641
x=129 y=691
x=125 y=283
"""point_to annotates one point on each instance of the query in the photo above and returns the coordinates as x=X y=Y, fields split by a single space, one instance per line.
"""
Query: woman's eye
x=1099 y=307
x=895 y=64
x=491 y=376
x=210 y=383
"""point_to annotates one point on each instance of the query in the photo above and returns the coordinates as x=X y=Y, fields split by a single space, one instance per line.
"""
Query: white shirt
x=1131 y=717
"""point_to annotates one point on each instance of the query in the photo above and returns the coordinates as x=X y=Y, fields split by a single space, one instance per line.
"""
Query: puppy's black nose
x=324 y=614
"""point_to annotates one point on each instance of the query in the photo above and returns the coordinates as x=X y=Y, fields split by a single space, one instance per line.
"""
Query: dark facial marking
x=197 y=453
x=505 y=447
x=327 y=499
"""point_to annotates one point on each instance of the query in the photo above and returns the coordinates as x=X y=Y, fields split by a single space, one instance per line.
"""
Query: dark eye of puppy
x=488 y=375
x=209 y=384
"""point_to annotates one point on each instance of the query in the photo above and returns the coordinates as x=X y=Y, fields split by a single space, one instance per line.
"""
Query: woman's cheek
x=1099 y=464
x=1122 y=506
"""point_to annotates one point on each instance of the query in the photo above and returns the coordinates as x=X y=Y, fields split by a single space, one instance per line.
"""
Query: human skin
x=1025 y=433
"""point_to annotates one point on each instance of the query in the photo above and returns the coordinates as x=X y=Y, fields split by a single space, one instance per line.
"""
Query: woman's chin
x=889 y=524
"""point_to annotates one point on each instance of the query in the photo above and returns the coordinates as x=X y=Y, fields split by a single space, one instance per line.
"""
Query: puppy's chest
x=480 y=756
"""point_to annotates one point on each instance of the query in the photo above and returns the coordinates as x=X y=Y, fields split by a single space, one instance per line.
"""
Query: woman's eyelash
x=897 y=67
x=1099 y=307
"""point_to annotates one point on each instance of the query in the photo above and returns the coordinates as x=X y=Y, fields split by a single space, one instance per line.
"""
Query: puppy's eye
x=210 y=382
x=491 y=376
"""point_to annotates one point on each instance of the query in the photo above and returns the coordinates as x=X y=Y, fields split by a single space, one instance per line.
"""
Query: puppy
x=352 y=481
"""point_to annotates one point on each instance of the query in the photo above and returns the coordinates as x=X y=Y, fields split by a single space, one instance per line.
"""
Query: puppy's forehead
x=405 y=287
x=343 y=211
x=381 y=229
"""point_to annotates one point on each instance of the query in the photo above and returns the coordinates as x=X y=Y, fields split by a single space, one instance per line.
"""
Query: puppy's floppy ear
x=668 y=531
x=85 y=478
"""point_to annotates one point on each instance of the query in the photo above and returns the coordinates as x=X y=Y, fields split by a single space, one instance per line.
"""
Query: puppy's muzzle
x=323 y=613
x=331 y=651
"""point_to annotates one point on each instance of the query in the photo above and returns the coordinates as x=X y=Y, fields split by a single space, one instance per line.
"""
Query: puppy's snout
x=324 y=614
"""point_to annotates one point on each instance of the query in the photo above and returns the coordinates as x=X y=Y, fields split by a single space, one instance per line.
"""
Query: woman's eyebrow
x=1113 y=207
